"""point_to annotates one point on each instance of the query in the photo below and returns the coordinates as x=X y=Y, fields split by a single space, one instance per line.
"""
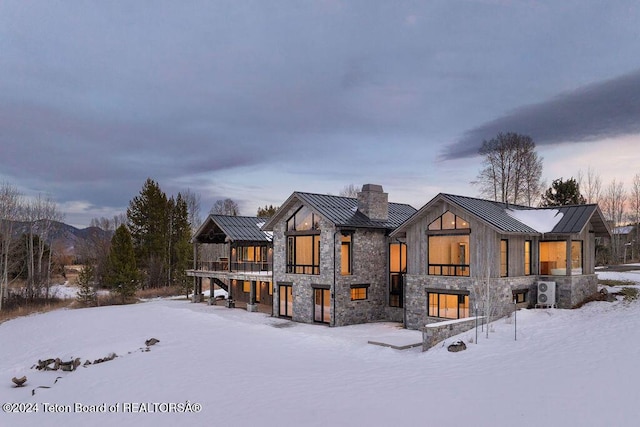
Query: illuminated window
x=285 y=305
x=397 y=269
x=246 y=286
x=449 y=255
x=553 y=258
x=303 y=254
x=527 y=257
x=504 y=258
x=322 y=305
x=345 y=255
x=449 y=246
x=303 y=220
x=270 y=288
x=448 y=306
x=359 y=292
x=303 y=242
x=449 y=221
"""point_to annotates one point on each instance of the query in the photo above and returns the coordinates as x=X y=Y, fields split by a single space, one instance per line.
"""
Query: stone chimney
x=374 y=202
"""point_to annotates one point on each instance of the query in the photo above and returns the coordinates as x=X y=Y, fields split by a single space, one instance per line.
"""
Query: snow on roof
x=541 y=220
x=623 y=230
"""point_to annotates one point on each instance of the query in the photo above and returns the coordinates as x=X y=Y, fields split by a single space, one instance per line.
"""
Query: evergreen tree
x=267 y=211
x=122 y=274
x=148 y=222
x=562 y=193
x=181 y=249
x=87 y=295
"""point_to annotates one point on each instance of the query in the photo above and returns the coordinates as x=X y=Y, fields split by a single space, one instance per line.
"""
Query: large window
x=553 y=258
x=303 y=220
x=448 y=306
x=449 y=255
x=449 y=246
x=249 y=258
x=303 y=243
x=504 y=258
x=346 y=256
x=527 y=257
x=397 y=269
x=303 y=254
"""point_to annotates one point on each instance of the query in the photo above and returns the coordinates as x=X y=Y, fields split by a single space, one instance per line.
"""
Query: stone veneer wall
x=418 y=285
x=436 y=332
x=302 y=283
x=370 y=254
x=570 y=291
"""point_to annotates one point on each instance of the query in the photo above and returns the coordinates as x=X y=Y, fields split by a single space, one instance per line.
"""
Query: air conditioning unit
x=546 y=294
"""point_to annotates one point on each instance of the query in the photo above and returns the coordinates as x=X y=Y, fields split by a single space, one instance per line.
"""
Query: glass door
x=322 y=305
x=286 y=300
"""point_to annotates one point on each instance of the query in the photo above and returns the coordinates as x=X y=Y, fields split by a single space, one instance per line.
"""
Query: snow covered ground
x=567 y=368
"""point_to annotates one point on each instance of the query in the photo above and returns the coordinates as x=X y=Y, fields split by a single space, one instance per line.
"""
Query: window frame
x=504 y=257
x=359 y=288
x=348 y=244
x=446 y=225
x=461 y=295
x=292 y=265
x=297 y=229
x=528 y=257
x=458 y=270
x=396 y=276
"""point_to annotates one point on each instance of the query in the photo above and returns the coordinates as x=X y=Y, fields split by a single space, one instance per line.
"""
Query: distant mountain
x=64 y=235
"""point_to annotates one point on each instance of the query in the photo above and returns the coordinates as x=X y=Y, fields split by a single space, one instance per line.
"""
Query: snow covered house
x=234 y=253
x=333 y=260
x=456 y=244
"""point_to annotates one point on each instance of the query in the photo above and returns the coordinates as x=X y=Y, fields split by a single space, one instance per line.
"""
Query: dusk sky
x=252 y=100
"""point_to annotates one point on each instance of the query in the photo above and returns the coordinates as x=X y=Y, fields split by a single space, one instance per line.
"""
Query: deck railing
x=241 y=267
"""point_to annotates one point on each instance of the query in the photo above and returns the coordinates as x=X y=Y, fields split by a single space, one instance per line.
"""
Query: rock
x=19 y=382
x=457 y=346
x=151 y=341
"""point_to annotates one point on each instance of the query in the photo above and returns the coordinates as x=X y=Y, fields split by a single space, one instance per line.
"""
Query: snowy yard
x=567 y=368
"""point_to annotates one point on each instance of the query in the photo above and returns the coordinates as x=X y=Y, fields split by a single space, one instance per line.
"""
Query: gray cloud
x=601 y=110
x=246 y=99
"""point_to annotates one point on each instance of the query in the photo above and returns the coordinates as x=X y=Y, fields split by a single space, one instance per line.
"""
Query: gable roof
x=507 y=218
x=234 y=228
x=342 y=211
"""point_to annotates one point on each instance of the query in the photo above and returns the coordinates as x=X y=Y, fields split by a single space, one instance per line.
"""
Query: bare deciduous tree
x=613 y=204
x=634 y=208
x=350 y=190
x=41 y=214
x=10 y=202
x=511 y=169
x=225 y=207
x=485 y=294
x=193 y=206
x=591 y=185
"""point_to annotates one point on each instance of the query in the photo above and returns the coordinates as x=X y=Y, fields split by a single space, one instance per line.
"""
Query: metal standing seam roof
x=343 y=211
x=495 y=213
x=242 y=228
x=574 y=217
